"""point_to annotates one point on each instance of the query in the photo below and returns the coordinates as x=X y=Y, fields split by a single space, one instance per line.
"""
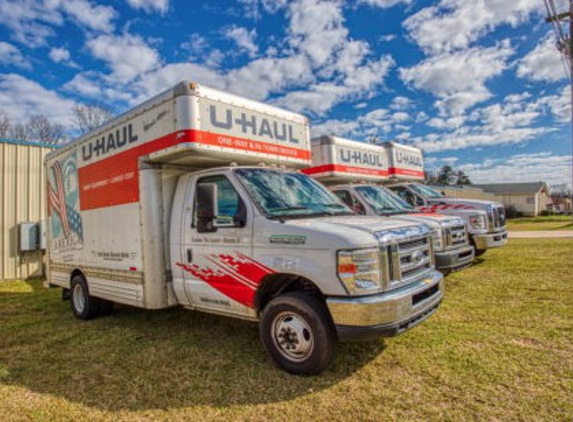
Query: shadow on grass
x=143 y=360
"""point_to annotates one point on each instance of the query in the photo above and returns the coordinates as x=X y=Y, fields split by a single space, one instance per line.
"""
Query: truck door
x=216 y=259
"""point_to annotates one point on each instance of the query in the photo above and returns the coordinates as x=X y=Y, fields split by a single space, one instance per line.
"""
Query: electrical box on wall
x=29 y=236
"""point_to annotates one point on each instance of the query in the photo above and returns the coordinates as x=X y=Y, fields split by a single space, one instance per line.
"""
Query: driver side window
x=231 y=210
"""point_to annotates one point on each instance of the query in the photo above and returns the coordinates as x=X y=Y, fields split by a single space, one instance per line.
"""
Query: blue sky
x=477 y=84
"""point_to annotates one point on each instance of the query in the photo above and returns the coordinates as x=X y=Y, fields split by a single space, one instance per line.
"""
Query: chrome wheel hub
x=292 y=336
x=79 y=298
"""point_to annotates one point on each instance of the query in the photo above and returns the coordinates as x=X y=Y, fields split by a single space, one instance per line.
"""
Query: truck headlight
x=439 y=239
x=478 y=222
x=359 y=270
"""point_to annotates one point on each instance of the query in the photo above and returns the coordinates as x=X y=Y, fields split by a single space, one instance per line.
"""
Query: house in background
x=529 y=198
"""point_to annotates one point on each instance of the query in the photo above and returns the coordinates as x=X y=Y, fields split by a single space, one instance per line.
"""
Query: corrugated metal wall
x=22 y=198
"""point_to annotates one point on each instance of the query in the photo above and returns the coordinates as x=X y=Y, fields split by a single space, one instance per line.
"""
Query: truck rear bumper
x=490 y=240
x=386 y=314
x=455 y=260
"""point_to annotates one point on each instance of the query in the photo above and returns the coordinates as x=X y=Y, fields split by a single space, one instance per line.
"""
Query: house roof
x=514 y=188
x=28 y=143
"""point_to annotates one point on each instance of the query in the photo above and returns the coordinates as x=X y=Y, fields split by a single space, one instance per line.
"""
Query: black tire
x=298 y=316
x=84 y=306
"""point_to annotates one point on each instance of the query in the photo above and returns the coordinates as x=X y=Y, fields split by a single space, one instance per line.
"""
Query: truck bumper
x=455 y=260
x=386 y=314
x=490 y=240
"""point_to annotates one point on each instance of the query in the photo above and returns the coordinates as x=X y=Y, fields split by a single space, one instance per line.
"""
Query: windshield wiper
x=293 y=208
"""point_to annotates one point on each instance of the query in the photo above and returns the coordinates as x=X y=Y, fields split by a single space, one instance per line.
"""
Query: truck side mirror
x=206 y=207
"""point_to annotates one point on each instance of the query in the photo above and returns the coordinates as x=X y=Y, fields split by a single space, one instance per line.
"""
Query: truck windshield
x=382 y=201
x=287 y=194
x=425 y=191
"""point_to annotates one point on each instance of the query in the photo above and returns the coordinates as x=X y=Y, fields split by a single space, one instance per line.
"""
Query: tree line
x=447 y=176
x=39 y=128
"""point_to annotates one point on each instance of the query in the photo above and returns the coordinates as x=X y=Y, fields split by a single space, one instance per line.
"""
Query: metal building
x=22 y=199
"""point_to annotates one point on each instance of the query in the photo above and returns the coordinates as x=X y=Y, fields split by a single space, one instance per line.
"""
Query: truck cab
x=451 y=243
x=485 y=219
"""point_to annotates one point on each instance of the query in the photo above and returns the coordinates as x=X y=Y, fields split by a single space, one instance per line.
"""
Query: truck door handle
x=189 y=255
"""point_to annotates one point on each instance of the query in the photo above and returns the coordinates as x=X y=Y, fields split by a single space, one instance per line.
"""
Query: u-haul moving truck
x=148 y=211
x=405 y=162
x=365 y=196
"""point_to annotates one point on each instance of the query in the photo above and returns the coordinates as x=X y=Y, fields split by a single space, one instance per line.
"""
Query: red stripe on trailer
x=115 y=180
x=339 y=168
x=405 y=172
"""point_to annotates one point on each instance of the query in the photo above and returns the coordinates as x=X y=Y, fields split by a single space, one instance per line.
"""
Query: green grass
x=500 y=348
x=556 y=222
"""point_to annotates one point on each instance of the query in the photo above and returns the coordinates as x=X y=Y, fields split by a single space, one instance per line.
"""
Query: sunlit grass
x=500 y=347
x=555 y=222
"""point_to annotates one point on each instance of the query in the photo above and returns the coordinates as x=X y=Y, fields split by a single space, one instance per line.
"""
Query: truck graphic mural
x=64 y=204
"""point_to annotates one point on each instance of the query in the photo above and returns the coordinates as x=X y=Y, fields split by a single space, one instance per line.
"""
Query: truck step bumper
x=490 y=240
x=455 y=260
x=386 y=314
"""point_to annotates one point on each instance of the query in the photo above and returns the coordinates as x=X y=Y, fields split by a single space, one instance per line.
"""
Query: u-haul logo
x=110 y=142
x=409 y=159
x=361 y=158
x=250 y=124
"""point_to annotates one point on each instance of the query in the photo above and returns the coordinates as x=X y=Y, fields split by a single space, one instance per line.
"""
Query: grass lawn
x=555 y=222
x=500 y=347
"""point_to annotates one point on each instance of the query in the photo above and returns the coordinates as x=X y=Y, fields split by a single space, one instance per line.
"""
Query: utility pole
x=565 y=47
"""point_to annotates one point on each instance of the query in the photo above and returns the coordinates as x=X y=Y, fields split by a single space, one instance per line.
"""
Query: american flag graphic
x=70 y=219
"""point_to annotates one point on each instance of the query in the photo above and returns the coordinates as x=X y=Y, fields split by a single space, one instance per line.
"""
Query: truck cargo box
x=405 y=162
x=338 y=160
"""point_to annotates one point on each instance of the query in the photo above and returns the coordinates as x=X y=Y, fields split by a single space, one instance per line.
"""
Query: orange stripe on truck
x=115 y=180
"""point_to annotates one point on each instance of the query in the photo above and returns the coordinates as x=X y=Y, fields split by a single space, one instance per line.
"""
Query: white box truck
x=166 y=205
x=485 y=219
x=356 y=183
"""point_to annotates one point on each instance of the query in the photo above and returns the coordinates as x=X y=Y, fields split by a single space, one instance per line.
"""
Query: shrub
x=511 y=212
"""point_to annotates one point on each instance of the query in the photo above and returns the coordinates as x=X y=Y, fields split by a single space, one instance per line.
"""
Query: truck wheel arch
x=76 y=272
x=276 y=284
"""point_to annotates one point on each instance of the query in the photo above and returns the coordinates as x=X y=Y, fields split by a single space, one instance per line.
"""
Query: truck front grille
x=496 y=217
x=409 y=260
x=456 y=236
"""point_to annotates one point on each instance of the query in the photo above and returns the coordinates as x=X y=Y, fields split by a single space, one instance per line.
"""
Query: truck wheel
x=298 y=333
x=84 y=306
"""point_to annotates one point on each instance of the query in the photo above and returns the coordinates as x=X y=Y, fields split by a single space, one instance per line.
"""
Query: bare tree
x=4 y=125
x=90 y=116
x=41 y=129
x=20 y=132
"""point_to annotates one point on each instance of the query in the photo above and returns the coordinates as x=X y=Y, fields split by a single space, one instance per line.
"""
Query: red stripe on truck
x=344 y=169
x=115 y=180
x=406 y=172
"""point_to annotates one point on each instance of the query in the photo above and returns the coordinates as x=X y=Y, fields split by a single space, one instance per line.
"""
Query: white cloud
x=31 y=22
x=11 y=56
x=127 y=55
x=400 y=103
x=543 y=63
x=383 y=4
x=454 y=24
x=458 y=79
x=514 y=121
x=244 y=39
x=85 y=84
x=32 y=99
x=545 y=166
x=150 y=6
x=61 y=55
